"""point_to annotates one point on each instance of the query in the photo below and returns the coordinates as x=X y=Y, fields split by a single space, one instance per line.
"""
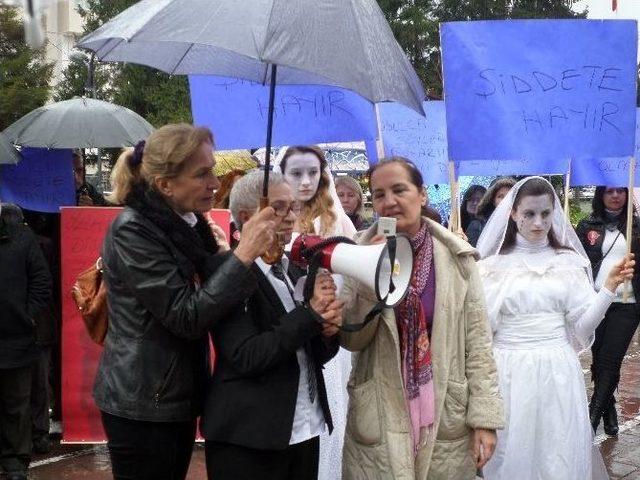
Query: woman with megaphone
x=423 y=395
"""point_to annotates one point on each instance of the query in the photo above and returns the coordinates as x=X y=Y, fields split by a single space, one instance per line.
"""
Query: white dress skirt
x=542 y=309
x=336 y=376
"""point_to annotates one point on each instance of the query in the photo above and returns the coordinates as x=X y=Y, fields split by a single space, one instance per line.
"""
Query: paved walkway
x=621 y=454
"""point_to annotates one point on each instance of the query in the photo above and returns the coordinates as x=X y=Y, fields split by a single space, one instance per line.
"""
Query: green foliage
x=24 y=75
x=576 y=213
x=156 y=96
x=415 y=24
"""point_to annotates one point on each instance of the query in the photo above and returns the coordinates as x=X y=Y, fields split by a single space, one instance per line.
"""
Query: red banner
x=82 y=231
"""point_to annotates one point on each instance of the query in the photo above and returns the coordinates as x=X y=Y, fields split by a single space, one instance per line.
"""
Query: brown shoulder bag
x=90 y=295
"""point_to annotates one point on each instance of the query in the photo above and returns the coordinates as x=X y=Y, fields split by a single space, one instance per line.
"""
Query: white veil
x=492 y=237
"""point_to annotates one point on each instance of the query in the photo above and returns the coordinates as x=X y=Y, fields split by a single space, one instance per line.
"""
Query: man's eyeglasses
x=282 y=209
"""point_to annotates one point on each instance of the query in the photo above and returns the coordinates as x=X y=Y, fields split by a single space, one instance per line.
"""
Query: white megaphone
x=369 y=264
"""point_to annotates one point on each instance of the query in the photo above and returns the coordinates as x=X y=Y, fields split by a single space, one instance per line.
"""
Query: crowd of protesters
x=428 y=389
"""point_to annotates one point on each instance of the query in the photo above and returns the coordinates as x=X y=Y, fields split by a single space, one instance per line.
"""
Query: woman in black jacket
x=603 y=236
x=167 y=285
x=469 y=207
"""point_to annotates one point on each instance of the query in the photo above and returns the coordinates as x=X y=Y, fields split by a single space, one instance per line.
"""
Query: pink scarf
x=414 y=330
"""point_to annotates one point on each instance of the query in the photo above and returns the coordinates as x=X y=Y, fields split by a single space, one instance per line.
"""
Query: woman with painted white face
x=305 y=169
x=543 y=309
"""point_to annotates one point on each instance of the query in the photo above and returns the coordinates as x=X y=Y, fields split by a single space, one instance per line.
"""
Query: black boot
x=610 y=419
x=595 y=413
x=604 y=385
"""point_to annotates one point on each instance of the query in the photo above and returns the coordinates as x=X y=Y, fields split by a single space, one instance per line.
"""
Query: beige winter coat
x=378 y=440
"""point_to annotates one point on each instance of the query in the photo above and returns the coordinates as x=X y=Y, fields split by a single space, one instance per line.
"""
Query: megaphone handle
x=312 y=271
x=391 y=248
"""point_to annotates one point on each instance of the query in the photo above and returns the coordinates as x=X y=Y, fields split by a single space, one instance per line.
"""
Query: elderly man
x=266 y=403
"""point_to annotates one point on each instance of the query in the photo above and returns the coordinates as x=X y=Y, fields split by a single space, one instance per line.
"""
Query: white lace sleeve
x=585 y=309
x=493 y=283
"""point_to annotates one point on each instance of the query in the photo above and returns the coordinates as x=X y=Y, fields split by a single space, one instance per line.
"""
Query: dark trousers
x=40 y=394
x=613 y=336
x=149 y=450
x=232 y=462
x=15 y=418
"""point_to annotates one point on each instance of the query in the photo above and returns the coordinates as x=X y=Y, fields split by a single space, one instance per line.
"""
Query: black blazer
x=252 y=394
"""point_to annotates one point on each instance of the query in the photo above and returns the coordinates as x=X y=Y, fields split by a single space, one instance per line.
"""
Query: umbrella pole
x=84 y=166
x=267 y=158
x=276 y=250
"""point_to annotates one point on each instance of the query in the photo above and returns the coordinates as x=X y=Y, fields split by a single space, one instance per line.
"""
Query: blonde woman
x=352 y=200
x=166 y=287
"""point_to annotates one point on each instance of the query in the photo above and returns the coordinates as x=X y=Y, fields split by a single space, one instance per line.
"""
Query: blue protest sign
x=423 y=140
x=236 y=111
x=537 y=89
x=540 y=166
x=609 y=171
x=42 y=181
x=372 y=151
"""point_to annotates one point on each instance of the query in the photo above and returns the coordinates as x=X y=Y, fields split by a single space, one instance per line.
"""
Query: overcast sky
x=602 y=8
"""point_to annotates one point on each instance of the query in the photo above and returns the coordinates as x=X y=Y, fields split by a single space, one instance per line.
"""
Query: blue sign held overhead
x=612 y=171
x=540 y=89
x=236 y=111
x=42 y=181
x=513 y=167
x=609 y=171
x=423 y=140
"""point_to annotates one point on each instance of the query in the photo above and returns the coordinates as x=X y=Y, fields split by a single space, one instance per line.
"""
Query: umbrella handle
x=274 y=253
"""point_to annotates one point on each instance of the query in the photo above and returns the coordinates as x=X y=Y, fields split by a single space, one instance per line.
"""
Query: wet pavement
x=621 y=454
x=91 y=462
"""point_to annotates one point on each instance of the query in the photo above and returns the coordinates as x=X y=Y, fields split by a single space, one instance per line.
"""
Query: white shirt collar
x=266 y=268
x=190 y=218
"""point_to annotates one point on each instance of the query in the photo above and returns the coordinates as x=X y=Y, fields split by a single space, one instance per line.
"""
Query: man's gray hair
x=246 y=192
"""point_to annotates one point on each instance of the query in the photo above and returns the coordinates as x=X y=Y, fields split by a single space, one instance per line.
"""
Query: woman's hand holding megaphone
x=324 y=303
x=332 y=319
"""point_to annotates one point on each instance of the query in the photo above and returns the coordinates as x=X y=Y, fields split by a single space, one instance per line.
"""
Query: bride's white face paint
x=533 y=217
x=303 y=174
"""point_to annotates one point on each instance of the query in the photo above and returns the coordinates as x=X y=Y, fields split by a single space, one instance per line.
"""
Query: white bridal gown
x=542 y=308
x=336 y=376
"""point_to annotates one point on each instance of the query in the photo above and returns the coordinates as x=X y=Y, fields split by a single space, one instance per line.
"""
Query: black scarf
x=196 y=243
x=613 y=220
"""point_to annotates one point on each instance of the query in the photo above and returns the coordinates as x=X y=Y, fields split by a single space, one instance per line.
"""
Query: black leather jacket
x=154 y=364
x=591 y=233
